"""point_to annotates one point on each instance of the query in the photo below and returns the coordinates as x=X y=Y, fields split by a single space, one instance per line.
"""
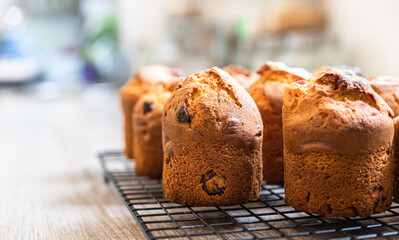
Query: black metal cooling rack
x=267 y=218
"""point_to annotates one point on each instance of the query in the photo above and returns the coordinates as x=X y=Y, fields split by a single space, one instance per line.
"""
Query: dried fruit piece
x=170 y=156
x=301 y=82
x=259 y=132
x=148 y=107
x=338 y=83
x=231 y=125
x=183 y=116
x=376 y=204
x=329 y=209
x=213 y=184
x=389 y=149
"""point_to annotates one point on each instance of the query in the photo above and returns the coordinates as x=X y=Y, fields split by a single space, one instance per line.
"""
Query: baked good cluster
x=329 y=137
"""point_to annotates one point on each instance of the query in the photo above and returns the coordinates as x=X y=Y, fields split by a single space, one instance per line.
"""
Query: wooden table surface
x=50 y=179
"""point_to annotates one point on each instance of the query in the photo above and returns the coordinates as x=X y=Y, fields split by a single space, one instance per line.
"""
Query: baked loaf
x=356 y=70
x=241 y=74
x=388 y=88
x=147 y=133
x=212 y=142
x=396 y=155
x=338 y=158
x=146 y=79
x=268 y=94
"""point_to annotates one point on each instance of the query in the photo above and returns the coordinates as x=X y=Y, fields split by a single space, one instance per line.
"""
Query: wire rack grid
x=267 y=218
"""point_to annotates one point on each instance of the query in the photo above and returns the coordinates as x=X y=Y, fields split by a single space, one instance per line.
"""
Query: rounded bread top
x=268 y=91
x=211 y=106
x=279 y=72
x=157 y=73
x=243 y=75
x=355 y=69
x=153 y=75
x=336 y=111
x=382 y=84
x=388 y=88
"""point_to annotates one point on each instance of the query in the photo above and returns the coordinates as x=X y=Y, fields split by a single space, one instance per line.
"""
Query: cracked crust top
x=211 y=105
x=388 y=88
x=278 y=71
x=335 y=111
x=268 y=91
x=150 y=76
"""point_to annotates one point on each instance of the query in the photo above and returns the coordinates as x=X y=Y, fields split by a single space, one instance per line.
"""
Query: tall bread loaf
x=396 y=155
x=212 y=138
x=338 y=158
x=147 y=133
x=268 y=94
x=145 y=80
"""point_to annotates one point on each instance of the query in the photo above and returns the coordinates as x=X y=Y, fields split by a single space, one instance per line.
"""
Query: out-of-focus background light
x=78 y=43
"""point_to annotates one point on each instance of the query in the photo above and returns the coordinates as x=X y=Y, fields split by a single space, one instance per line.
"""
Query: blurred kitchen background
x=62 y=61
x=64 y=45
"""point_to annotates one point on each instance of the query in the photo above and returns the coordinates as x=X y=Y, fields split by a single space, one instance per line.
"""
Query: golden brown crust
x=147 y=78
x=244 y=76
x=388 y=88
x=356 y=70
x=338 y=137
x=212 y=135
x=344 y=103
x=268 y=94
x=147 y=134
x=396 y=156
x=278 y=71
x=154 y=74
x=337 y=185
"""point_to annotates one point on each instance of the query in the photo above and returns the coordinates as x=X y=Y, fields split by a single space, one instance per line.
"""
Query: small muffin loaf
x=147 y=133
x=356 y=70
x=145 y=80
x=388 y=88
x=268 y=94
x=212 y=139
x=396 y=156
x=241 y=74
x=338 y=158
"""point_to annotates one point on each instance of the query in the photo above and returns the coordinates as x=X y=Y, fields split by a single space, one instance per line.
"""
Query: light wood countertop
x=51 y=182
